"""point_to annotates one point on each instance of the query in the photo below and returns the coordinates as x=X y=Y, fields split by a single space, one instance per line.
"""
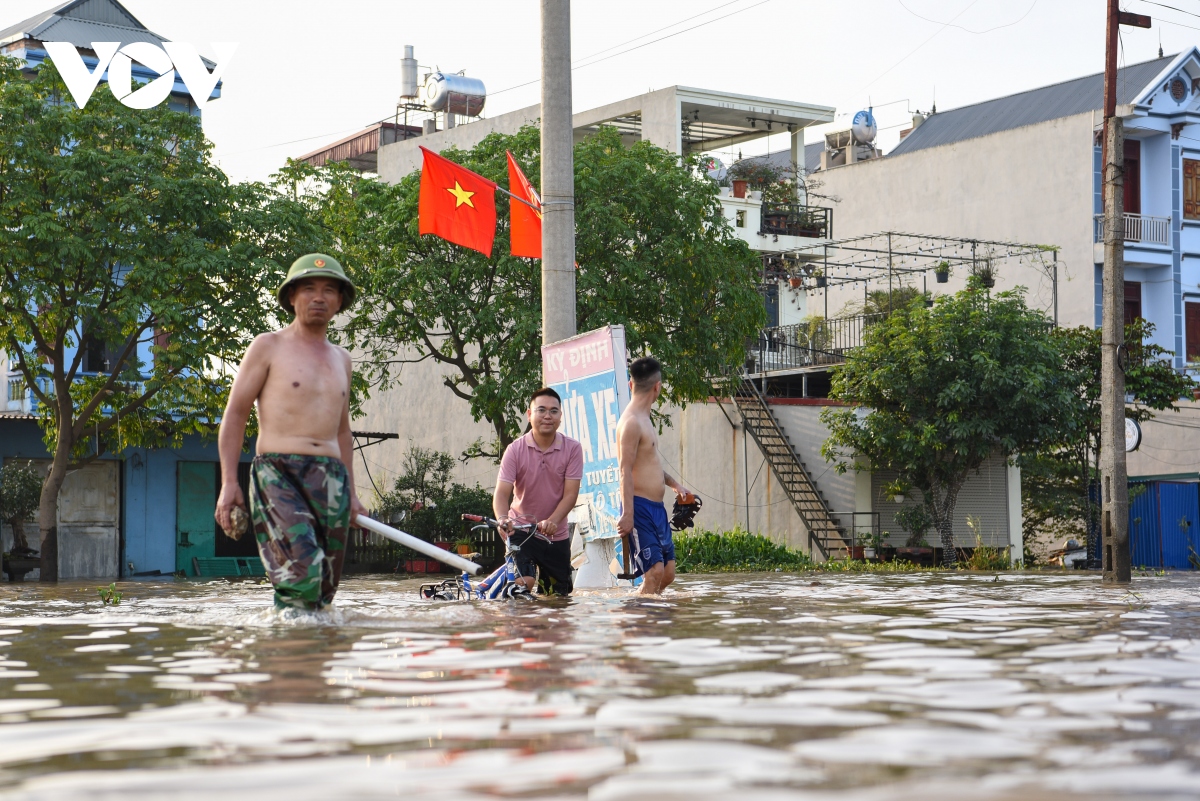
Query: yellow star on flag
x=461 y=196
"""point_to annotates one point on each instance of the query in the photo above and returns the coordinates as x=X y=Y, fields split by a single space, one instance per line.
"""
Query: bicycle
x=502 y=583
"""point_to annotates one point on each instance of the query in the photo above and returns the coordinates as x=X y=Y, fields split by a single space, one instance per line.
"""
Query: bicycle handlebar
x=493 y=523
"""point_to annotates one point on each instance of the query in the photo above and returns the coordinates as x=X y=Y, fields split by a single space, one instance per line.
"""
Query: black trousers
x=549 y=561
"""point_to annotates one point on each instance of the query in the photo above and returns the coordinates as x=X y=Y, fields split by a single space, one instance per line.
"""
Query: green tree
x=431 y=504
x=1055 y=477
x=655 y=254
x=132 y=272
x=20 y=490
x=942 y=389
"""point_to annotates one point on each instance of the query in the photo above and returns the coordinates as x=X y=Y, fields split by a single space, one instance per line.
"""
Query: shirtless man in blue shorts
x=644 y=523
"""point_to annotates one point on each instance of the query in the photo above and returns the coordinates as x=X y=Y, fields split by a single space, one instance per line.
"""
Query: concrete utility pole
x=558 y=175
x=1114 y=480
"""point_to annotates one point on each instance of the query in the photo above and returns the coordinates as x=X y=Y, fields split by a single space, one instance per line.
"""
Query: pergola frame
x=895 y=253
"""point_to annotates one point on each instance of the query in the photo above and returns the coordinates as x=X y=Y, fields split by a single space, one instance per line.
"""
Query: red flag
x=456 y=204
x=526 y=222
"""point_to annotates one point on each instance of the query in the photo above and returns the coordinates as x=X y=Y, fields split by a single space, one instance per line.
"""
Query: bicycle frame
x=502 y=583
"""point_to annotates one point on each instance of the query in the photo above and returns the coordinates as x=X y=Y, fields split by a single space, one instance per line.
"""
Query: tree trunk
x=943 y=520
x=48 y=507
x=20 y=543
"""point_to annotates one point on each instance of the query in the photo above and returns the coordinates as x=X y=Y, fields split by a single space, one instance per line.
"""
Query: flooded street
x=771 y=686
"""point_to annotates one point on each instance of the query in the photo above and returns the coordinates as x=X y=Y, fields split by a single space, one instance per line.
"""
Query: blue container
x=1164 y=525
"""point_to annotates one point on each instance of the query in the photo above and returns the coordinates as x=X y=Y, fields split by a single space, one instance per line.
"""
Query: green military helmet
x=316 y=265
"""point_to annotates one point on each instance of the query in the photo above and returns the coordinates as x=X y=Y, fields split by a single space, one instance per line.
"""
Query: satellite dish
x=863 y=127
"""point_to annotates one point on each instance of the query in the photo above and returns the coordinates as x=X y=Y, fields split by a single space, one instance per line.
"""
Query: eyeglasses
x=542 y=411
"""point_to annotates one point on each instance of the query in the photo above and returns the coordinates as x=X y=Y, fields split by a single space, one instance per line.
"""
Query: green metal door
x=196 y=501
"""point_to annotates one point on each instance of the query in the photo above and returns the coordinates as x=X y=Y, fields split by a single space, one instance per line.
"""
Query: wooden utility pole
x=558 y=175
x=1114 y=479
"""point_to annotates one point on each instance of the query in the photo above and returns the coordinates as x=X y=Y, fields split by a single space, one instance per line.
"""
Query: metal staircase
x=810 y=504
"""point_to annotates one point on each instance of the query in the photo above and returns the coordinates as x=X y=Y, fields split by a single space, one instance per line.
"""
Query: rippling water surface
x=771 y=686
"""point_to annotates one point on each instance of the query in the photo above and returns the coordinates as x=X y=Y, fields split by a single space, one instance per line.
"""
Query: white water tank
x=456 y=94
x=408 y=75
x=863 y=127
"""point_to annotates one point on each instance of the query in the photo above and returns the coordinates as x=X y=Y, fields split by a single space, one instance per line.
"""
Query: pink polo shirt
x=537 y=476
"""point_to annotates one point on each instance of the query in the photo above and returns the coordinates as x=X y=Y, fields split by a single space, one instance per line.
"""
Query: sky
x=308 y=73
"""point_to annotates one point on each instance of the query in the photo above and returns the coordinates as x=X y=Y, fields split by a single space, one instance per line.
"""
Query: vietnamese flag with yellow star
x=456 y=204
x=525 y=218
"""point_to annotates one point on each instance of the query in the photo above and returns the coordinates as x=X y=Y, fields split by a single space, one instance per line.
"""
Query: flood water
x=764 y=686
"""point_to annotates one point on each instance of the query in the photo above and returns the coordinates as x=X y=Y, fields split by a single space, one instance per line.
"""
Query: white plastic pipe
x=408 y=540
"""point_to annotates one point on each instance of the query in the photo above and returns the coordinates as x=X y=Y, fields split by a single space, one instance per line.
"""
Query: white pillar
x=798 y=164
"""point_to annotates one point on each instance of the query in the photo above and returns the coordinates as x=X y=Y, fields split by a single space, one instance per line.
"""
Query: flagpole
x=558 y=175
x=516 y=197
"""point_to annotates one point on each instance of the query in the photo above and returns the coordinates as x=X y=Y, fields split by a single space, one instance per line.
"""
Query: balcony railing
x=790 y=347
x=1139 y=228
x=794 y=219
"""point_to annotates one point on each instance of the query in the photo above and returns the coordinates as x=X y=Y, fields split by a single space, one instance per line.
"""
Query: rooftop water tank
x=408 y=75
x=863 y=127
x=455 y=94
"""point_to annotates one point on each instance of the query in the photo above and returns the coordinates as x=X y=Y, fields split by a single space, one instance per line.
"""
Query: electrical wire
x=538 y=80
x=644 y=44
x=659 y=30
x=918 y=47
x=968 y=30
x=1172 y=8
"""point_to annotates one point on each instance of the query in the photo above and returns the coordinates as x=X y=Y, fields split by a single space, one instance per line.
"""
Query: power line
x=538 y=80
x=968 y=30
x=1172 y=8
x=659 y=30
x=918 y=47
x=644 y=44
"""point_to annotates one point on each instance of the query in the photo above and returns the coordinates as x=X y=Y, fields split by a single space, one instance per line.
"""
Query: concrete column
x=798 y=164
x=558 y=175
x=1114 y=481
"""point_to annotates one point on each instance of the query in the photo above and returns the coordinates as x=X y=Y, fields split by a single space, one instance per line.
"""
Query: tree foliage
x=127 y=252
x=943 y=389
x=428 y=503
x=1055 y=477
x=654 y=252
x=20 y=490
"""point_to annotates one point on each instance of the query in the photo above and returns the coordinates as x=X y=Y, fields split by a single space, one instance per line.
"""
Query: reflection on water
x=771 y=687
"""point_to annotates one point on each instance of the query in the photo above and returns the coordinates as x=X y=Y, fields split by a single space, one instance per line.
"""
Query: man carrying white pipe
x=302 y=495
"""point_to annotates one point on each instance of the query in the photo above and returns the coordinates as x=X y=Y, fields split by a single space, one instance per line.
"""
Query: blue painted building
x=139 y=510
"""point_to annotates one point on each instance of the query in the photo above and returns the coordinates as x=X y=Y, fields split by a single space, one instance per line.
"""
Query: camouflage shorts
x=300 y=508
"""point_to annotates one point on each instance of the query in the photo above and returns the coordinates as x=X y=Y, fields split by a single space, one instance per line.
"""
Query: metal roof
x=1046 y=103
x=782 y=160
x=82 y=22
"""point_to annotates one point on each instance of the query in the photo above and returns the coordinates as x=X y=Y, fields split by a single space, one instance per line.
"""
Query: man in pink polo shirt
x=539 y=482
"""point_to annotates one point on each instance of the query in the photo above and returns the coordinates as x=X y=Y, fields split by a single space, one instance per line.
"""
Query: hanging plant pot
x=942 y=277
x=820 y=280
x=987 y=280
x=929 y=303
x=795 y=283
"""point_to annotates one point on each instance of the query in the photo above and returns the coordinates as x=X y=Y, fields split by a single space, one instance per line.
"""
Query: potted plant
x=795 y=282
x=463 y=545
x=739 y=187
x=916 y=521
x=874 y=544
x=986 y=274
x=819 y=275
x=942 y=271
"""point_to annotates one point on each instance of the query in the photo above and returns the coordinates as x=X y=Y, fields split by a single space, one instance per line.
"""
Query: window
x=1191 y=189
x=1133 y=301
x=1133 y=177
x=741 y=218
x=1191 y=321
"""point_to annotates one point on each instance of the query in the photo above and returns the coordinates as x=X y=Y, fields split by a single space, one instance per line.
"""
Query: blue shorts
x=650 y=543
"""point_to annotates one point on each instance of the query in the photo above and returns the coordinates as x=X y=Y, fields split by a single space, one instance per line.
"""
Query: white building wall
x=1031 y=185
